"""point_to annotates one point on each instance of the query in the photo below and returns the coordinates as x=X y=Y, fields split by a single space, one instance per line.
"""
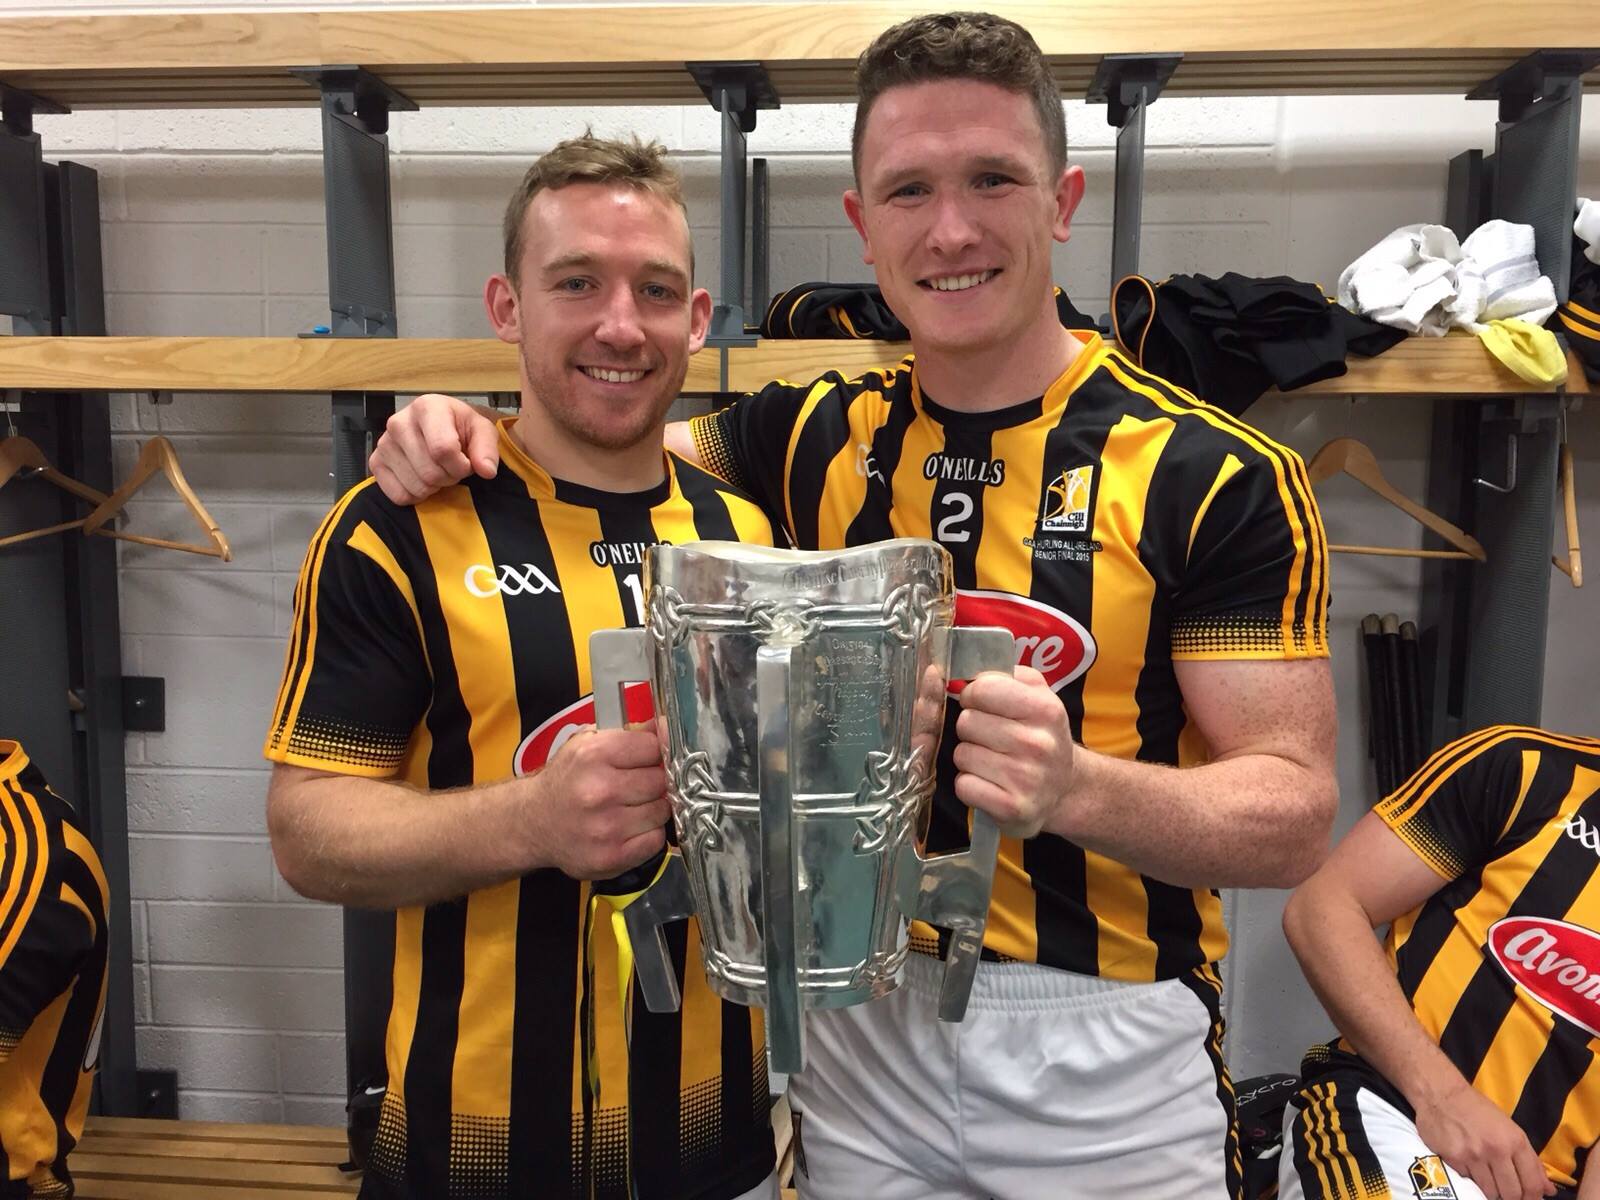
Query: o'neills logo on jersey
x=540 y=745
x=1048 y=640
x=507 y=579
x=1066 y=504
x=1556 y=963
x=619 y=554
x=989 y=471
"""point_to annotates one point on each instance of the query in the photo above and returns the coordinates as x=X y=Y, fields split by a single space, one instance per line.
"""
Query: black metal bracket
x=738 y=91
x=356 y=95
x=1542 y=75
x=18 y=108
x=355 y=168
x=1124 y=81
x=742 y=88
x=158 y=1094
x=144 y=704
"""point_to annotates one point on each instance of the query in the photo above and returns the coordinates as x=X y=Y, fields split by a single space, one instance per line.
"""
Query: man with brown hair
x=1163 y=568
x=435 y=754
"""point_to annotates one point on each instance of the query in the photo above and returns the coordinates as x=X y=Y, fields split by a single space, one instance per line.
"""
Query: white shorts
x=1341 y=1139
x=1056 y=1086
x=767 y=1189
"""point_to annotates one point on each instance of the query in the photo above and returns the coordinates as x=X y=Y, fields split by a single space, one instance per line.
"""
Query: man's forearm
x=1257 y=820
x=1346 y=967
x=370 y=843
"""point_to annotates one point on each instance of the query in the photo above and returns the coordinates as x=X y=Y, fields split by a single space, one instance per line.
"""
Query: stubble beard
x=554 y=394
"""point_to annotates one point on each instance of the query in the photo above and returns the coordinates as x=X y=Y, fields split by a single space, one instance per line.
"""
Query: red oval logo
x=1048 y=640
x=538 y=747
x=1556 y=963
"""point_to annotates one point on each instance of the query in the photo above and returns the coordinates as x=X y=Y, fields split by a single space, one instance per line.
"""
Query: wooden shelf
x=124 y=1158
x=1417 y=367
x=1457 y=365
x=635 y=54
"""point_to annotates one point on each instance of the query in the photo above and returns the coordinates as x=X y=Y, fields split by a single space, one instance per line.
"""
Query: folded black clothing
x=857 y=310
x=1228 y=340
x=1578 y=320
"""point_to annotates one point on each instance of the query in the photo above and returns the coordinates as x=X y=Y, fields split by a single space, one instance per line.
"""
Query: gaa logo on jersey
x=1066 y=505
x=540 y=746
x=1555 y=962
x=1429 y=1181
x=485 y=580
x=1048 y=640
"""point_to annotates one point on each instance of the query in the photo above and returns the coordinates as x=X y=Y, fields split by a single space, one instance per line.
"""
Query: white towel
x=1587 y=227
x=1514 y=285
x=1404 y=278
x=1421 y=279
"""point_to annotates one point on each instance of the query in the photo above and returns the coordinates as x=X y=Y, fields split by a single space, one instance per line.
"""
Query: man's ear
x=699 y=319
x=856 y=211
x=500 y=302
x=1069 y=192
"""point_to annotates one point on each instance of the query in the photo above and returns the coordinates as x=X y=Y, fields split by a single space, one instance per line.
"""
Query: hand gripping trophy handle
x=954 y=888
x=619 y=657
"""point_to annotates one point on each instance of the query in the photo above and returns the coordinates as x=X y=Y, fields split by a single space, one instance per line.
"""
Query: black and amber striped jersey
x=53 y=942
x=1502 y=964
x=447 y=645
x=1115 y=525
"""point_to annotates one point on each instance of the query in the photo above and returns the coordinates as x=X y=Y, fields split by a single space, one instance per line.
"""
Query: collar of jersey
x=544 y=486
x=1053 y=400
x=13 y=759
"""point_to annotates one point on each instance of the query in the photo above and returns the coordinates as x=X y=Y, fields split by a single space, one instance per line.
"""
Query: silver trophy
x=800 y=699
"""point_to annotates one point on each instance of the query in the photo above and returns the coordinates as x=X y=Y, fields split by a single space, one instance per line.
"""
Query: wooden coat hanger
x=159 y=456
x=1353 y=458
x=20 y=454
x=1572 y=565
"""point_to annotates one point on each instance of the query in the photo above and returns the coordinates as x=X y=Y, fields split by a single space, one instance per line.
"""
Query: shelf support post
x=361 y=294
x=1127 y=84
x=51 y=285
x=1485 y=626
x=737 y=91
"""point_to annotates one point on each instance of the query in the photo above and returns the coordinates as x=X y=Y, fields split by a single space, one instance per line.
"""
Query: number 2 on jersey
x=949 y=529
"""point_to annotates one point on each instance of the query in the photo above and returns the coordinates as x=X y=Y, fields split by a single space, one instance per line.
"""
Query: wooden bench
x=125 y=1158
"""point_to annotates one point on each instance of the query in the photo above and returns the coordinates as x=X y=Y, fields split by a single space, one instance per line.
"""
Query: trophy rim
x=748 y=552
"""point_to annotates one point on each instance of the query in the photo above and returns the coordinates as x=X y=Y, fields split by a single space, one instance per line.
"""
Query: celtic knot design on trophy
x=668 y=624
x=909 y=611
x=879 y=969
x=894 y=786
x=698 y=808
x=783 y=621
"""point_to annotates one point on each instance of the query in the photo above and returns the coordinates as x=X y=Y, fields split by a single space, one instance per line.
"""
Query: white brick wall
x=213 y=224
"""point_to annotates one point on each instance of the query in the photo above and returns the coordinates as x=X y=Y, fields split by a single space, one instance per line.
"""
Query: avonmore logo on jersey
x=1047 y=640
x=1556 y=963
x=540 y=746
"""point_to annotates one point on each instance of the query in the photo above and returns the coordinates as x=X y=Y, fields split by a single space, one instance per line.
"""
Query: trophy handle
x=618 y=657
x=667 y=899
x=785 y=1047
x=955 y=888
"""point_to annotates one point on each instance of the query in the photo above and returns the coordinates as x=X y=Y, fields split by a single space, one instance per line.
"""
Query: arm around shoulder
x=434 y=441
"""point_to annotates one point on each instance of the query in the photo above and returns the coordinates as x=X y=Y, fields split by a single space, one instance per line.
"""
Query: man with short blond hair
x=435 y=756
